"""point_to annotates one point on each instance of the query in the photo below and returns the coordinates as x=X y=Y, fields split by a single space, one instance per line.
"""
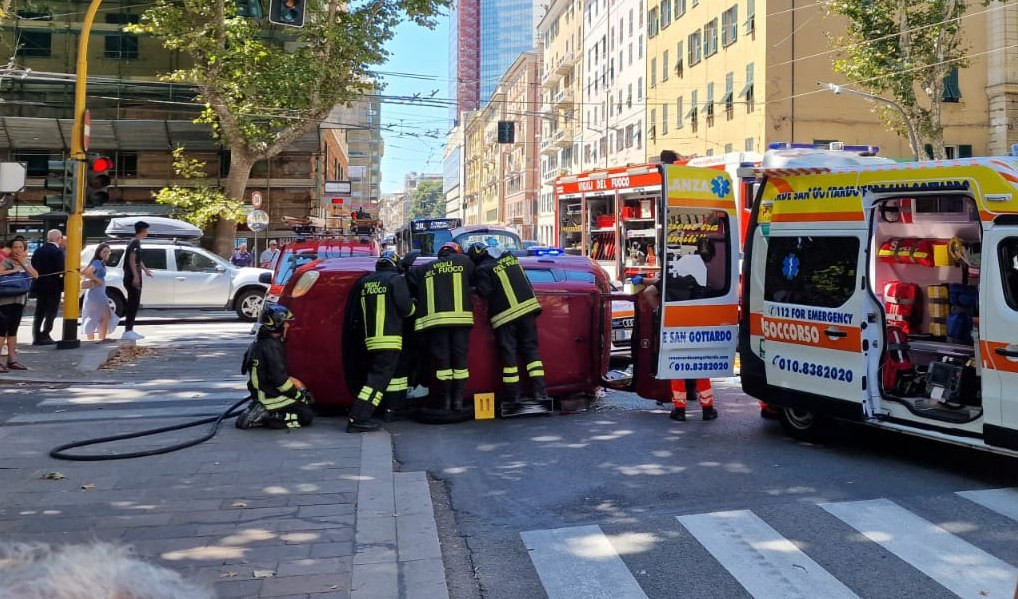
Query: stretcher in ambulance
x=886 y=294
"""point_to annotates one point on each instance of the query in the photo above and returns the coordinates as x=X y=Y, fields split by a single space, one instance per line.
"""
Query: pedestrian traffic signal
x=60 y=178
x=97 y=186
x=287 y=12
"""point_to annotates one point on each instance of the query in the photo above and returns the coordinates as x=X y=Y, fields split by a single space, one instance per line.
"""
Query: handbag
x=15 y=283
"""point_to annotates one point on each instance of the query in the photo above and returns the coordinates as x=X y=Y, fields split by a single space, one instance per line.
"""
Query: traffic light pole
x=72 y=265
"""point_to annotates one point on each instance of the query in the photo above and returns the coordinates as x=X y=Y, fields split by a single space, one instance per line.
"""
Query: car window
x=813 y=271
x=189 y=261
x=580 y=275
x=540 y=275
x=115 y=256
x=497 y=241
x=428 y=243
x=154 y=258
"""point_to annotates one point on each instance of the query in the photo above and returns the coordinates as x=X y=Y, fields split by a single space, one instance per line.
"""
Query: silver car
x=184 y=276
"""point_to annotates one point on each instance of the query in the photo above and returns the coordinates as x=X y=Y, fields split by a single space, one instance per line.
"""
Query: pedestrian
x=241 y=257
x=98 y=315
x=384 y=303
x=269 y=255
x=445 y=316
x=48 y=261
x=513 y=310
x=278 y=399
x=133 y=269
x=13 y=305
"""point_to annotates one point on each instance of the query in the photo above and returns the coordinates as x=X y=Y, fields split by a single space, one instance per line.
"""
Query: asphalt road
x=595 y=497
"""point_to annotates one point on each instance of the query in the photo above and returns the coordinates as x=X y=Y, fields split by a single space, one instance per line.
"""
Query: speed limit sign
x=256 y=199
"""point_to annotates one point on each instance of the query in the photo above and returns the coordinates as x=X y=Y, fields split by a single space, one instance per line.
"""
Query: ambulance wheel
x=804 y=425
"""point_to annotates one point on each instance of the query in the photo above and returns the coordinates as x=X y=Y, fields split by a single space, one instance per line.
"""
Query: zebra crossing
x=586 y=562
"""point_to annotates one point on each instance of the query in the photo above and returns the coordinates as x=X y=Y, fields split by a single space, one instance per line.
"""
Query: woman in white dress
x=99 y=317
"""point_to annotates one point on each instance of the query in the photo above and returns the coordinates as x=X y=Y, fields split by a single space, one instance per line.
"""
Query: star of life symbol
x=673 y=264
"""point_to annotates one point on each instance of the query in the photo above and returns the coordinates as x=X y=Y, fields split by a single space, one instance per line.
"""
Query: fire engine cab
x=885 y=293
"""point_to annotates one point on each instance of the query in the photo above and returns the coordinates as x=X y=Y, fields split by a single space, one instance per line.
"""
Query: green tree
x=201 y=202
x=427 y=200
x=260 y=94
x=905 y=48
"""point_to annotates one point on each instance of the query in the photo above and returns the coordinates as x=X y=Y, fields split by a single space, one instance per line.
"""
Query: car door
x=699 y=291
x=998 y=334
x=157 y=290
x=200 y=280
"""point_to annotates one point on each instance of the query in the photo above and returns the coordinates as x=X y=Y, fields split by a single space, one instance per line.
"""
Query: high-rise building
x=465 y=54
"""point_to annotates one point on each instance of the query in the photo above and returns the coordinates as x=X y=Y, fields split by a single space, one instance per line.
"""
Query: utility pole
x=72 y=264
x=913 y=139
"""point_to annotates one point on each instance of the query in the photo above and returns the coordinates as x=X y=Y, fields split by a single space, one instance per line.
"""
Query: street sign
x=337 y=187
x=12 y=176
x=256 y=199
x=86 y=131
x=258 y=220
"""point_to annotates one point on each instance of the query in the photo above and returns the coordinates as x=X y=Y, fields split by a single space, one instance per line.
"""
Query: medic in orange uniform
x=681 y=389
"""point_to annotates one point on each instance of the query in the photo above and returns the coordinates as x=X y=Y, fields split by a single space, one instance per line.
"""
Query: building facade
x=465 y=54
x=521 y=184
x=507 y=30
x=452 y=173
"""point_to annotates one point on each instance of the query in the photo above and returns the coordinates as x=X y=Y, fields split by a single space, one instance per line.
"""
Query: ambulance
x=885 y=293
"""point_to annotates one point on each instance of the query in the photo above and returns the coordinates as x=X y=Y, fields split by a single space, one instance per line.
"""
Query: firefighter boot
x=540 y=389
x=456 y=393
x=443 y=393
x=254 y=416
x=360 y=417
x=511 y=399
x=395 y=403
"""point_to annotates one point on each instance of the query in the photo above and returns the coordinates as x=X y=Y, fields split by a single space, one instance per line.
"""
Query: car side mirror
x=220 y=268
x=265 y=278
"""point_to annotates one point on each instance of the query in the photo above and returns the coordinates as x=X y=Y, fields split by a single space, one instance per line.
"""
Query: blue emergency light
x=544 y=251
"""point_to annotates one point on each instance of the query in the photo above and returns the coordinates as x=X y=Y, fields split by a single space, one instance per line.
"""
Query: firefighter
x=513 y=310
x=701 y=388
x=445 y=317
x=279 y=400
x=384 y=303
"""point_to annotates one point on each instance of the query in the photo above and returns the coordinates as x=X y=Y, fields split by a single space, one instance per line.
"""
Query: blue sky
x=409 y=130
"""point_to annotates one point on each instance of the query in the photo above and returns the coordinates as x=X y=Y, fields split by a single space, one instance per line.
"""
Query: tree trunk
x=236 y=185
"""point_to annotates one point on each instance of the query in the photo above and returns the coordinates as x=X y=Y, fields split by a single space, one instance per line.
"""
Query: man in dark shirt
x=48 y=260
x=133 y=267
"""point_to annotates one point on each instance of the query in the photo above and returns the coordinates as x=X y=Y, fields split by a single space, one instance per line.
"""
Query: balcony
x=550 y=78
x=563 y=138
x=565 y=63
x=547 y=147
x=564 y=98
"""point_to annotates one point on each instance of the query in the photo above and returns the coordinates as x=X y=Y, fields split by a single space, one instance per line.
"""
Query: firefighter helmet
x=449 y=247
x=388 y=260
x=477 y=251
x=274 y=317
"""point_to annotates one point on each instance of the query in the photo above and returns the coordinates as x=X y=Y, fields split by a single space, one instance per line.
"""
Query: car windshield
x=497 y=241
x=429 y=242
x=290 y=261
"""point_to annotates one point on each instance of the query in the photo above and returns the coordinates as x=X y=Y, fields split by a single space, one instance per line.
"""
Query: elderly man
x=269 y=255
x=48 y=260
x=241 y=257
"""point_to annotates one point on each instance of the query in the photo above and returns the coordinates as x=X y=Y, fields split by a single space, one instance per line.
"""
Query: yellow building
x=740 y=74
x=484 y=184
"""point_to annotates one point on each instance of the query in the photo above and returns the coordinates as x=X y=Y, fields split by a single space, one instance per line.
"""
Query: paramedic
x=384 y=303
x=279 y=400
x=445 y=316
x=513 y=310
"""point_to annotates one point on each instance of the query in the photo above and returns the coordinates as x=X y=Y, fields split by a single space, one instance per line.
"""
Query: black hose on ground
x=59 y=452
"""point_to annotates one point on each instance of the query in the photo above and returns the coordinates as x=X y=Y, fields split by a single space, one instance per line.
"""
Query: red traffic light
x=101 y=164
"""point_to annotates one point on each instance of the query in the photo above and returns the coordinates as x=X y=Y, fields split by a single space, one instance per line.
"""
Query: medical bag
x=899 y=303
x=905 y=249
x=964 y=300
x=939 y=308
x=899 y=371
x=889 y=250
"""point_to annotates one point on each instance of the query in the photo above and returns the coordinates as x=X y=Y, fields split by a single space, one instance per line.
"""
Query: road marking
x=177 y=412
x=959 y=566
x=580 y=563
x=767 y=564
x=1002 y=501
x=127 y=396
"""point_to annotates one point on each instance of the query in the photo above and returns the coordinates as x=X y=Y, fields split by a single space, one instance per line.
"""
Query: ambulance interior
x=926 y=275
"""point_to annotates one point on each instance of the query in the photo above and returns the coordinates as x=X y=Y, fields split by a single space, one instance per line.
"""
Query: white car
x=184 y=276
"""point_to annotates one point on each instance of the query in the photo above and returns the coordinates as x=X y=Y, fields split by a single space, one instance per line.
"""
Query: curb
x=91 y=359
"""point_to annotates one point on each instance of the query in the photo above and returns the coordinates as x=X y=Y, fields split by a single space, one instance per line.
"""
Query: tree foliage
x=427 y=200
x=265 y=85
x=905 y=49
x=203 y=201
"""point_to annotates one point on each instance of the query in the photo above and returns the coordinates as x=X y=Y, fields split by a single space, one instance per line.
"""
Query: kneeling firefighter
x=384 y=303
x=279 y=400
x=445 y=315
x=513 y=310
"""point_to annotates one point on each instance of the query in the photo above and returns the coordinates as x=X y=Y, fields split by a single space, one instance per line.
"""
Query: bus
x=425 y=235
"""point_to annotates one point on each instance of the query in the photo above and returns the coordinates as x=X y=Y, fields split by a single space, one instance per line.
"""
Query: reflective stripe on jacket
x=506 y=287
x=268 y=379
x=443 y=293
x=385 y=302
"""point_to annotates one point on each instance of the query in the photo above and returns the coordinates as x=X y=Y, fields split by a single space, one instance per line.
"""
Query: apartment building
x=737 y=75
x=521 y=169
x=452 y=173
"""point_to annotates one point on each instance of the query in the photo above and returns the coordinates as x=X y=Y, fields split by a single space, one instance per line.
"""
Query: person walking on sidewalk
x=384 y=303
x=513 y=310
x=133 y=268
x=12 y=306
x=48 y=261
x=97 y=314
x=278 y=399
x=269 y=255
x=445 y=316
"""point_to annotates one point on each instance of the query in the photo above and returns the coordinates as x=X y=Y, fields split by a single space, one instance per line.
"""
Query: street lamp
x=912 y=137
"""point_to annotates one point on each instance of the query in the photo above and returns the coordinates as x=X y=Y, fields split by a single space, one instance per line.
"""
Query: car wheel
x=116 y=301
x=805 y=425
x=249 y=304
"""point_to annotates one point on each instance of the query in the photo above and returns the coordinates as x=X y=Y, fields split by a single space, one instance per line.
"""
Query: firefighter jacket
x=442 y=289
x=506 y=287
x=385 y=302
x=268 y=379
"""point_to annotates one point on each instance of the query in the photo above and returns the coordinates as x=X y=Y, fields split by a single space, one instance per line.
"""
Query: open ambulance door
x=998 y=333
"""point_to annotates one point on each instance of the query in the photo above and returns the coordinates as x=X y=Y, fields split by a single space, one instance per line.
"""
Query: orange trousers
x=682 y=389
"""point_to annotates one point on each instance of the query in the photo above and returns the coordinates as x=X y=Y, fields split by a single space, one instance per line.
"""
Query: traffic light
x=506 y=132
x=98 y=182
x=60 y=178
x=249 y=8
x=287 y=12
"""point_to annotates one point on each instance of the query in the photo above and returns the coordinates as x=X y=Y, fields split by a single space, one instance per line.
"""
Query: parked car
x=184 y=276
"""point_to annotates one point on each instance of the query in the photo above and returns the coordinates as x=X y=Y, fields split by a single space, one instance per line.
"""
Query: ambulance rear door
x=998 y=332
x=699 y=290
